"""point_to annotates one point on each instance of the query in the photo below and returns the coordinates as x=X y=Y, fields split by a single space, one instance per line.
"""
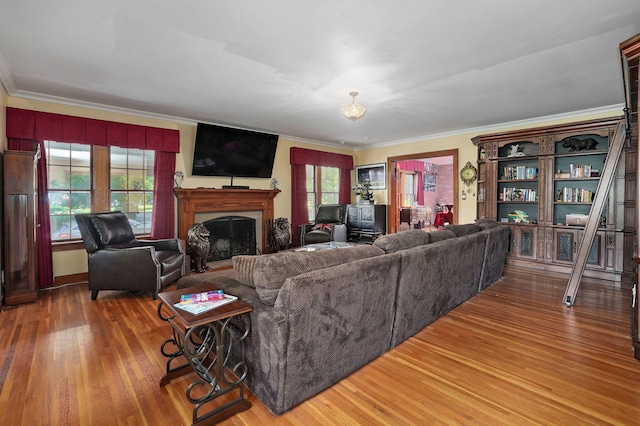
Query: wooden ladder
x=590 y=229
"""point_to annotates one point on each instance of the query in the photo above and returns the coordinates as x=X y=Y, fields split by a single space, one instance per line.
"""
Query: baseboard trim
x=71 y=279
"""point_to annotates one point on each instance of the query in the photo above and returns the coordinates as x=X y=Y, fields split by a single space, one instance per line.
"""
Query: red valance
x=320 y=158
x=415 y=165
x=35 y=125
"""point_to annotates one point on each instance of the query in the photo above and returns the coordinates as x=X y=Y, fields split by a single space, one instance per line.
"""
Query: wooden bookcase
x=540 y=182
x=630 y=53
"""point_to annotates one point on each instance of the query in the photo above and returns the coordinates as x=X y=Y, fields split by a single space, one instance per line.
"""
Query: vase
x=358 y=198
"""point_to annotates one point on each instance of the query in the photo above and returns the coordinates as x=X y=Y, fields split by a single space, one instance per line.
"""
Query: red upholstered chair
x=444 y=218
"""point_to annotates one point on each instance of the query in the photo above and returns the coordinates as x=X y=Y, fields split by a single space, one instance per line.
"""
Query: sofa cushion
x=270 y=271
x=113 y=228
x=485 y=223
x=323 y=227
x=392 y=243
x=466 y=229
x=436 y=236
x=243 y=267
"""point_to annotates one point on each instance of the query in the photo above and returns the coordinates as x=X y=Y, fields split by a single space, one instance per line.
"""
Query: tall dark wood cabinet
x=366 y=220
x=541 y=182
x=20 y=221
x=630 y=53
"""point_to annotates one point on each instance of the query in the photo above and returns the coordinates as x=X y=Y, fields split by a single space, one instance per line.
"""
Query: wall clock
x=468 y=174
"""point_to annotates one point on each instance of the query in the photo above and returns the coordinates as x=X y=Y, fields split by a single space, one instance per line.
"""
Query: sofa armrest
x=126 y=269
x=170 y=244
x=344 y=313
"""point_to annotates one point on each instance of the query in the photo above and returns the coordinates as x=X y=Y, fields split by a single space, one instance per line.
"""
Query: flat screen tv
x=225 y=151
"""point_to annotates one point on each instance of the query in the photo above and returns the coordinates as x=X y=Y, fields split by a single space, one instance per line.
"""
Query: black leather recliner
x=330 y=220
x=119 y=261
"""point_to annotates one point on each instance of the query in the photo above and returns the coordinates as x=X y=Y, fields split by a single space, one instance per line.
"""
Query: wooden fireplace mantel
x=203 y=200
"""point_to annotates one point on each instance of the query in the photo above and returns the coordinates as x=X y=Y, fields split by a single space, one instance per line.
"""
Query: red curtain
x=162 y=223
x=43 y=233
x=299 y=158
x=299 y=211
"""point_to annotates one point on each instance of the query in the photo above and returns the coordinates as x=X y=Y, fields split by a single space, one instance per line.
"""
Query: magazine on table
x=198 y=303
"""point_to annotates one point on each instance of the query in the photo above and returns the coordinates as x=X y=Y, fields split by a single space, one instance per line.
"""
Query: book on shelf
x=574 y=195
x=579 y=170
x=519 y=173
x=519 y=194
x=197 y=303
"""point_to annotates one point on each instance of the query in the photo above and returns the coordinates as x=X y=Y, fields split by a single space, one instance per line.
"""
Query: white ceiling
x=422 y=67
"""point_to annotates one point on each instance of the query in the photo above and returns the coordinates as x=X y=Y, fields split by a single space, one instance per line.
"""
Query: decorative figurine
x=575 y=144
x=178 y=177
x=515 y=151
x=274 y=183
x=199 y=246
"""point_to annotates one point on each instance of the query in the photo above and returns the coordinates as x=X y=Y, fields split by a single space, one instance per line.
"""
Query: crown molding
x=5 y=77
x=530 y=122
x=23 y=94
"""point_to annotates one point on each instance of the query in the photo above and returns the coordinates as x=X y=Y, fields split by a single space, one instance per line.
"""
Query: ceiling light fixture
x=353 y=111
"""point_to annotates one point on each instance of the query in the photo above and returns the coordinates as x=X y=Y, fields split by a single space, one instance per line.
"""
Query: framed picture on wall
x=429 y=183
x=374 y=173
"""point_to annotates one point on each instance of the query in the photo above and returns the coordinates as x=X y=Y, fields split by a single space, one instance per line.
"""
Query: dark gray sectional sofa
x=319 y=316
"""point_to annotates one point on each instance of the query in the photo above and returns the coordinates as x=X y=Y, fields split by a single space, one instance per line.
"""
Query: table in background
x=416 y=217
x=205 y=342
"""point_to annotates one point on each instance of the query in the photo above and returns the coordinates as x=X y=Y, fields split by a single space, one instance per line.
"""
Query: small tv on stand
x=232 y=186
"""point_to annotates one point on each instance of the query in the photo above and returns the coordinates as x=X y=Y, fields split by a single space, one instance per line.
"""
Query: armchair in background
x=329 y=225
x=118 y=261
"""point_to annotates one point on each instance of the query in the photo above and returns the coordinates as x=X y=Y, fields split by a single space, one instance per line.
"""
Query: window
x=69 y=171
x=132 y=186
x=408 y=195
x=322 y=187
x=80 y=182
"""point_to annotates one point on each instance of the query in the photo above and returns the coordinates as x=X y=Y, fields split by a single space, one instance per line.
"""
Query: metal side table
x=205 y=341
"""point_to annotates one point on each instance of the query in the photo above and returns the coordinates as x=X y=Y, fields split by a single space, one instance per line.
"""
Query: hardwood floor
x=512 y=355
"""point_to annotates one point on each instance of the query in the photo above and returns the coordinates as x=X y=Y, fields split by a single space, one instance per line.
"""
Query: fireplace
x=231 y=236
x=201 y=204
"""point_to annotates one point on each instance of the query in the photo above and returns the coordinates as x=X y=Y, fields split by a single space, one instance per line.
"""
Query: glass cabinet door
x=18 y=265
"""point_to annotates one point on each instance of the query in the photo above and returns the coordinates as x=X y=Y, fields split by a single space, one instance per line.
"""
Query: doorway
x=421 y=187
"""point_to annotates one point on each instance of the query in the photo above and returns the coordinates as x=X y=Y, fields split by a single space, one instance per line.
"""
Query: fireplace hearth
x=231 y=236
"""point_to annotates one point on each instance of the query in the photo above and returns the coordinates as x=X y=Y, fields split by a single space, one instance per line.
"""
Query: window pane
x=311 y=191
x=118 y=157
x=59 y=177
x=329 y=185
x=80 y=155
x=80 y=177
x=58 y=153
x=311 y=206
x=119 y=201
x=80 y=202
x=408 y=196
x=69 y=170
x=118 y=179
x=132 y=186
x=311 y=174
